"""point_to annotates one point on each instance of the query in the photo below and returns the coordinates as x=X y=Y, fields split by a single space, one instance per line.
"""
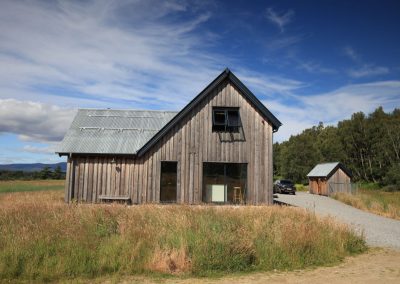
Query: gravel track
x=379 y=231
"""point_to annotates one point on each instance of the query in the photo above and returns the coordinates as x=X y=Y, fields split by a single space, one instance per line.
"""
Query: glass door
x=224 y=183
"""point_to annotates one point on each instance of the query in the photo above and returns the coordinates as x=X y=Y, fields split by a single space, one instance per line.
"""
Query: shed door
x=168 y=186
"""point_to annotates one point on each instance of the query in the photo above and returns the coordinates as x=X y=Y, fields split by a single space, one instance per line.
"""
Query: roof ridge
x=112 y=109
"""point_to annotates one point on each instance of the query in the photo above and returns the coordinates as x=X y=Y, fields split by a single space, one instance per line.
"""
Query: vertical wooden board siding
x=183 y=165
x=191 y=142
x=153 y=177
x=263 y=169
x=81 y=164
x=191 y=159
x=76 y=181
x=269 y=164
x=143 y=175
x=95 y=179
x=117 y=174
x=149 y=167
x=125 y=177
x=104 y=180
x=204 y=133
x=110 y=176
x=157 y=171
x=257 y=160
x=128 y=178
x=178 y=147
x=67 y=181
x=198 y=155
x=89 y=180
x=187 y=165
x=135 y=182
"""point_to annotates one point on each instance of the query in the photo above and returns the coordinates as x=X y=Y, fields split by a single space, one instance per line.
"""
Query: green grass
x=301 y=187
x=371 y=198
x=43 y=239
x=30 y=185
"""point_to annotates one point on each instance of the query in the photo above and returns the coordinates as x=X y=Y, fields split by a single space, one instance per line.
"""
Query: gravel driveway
x=378 y=230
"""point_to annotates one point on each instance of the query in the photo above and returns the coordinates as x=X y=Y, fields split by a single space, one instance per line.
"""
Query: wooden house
x=217 y=149
x=328 y=178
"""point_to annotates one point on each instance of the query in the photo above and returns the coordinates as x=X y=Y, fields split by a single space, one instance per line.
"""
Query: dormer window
x=226 y=119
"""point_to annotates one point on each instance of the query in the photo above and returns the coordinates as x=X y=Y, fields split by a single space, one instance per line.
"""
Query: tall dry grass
x=41 y=238
x=373 y=200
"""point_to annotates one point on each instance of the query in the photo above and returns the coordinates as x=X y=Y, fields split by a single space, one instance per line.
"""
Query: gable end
x=226 y=74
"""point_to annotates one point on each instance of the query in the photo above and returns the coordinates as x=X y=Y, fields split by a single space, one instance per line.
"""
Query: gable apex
x=227 y=74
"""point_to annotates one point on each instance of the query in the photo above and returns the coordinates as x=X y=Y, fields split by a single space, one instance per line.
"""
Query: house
x=217 y=149
x=327 y=178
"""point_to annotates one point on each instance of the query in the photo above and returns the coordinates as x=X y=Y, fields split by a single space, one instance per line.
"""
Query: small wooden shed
x=328 y=178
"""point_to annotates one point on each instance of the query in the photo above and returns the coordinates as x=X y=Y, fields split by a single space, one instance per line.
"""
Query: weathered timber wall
x=191 y=142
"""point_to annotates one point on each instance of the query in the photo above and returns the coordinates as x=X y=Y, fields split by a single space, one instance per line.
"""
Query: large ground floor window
x=224 y=183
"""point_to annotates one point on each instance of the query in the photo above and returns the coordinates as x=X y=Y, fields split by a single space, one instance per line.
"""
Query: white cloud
x=367 y=71
x=34 y=121
x=269 y=85
x=363 y=69
x=132 y=51
x=119 y=54
x=49 y=149
x=302 y=112
x=279 y=43
x=316 y=68
x=280 y=19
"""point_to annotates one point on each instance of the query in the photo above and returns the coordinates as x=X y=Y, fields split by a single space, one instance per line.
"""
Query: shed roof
x=327 y=169
x=104 y=131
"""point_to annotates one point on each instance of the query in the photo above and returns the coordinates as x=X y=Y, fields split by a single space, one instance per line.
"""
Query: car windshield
x=285 y=181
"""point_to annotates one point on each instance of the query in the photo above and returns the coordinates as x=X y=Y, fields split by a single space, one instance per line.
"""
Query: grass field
x=44 y=239
x=373 y=200
x=30 y=185
x=301 y=187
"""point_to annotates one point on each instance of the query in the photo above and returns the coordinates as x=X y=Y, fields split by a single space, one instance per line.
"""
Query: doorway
x=168 y=184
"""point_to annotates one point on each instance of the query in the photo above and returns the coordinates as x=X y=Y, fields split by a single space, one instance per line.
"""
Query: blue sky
x=308 y=61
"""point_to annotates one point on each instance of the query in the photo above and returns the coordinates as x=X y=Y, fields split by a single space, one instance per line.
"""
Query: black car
x=284 y=186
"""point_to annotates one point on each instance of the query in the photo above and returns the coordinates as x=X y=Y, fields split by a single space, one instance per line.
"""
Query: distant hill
x=32 y=167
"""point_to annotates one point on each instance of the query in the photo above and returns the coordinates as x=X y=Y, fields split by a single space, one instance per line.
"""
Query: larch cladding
x=191 y=142
x=339 y=177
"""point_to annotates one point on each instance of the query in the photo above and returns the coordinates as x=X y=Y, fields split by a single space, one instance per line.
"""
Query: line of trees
x=369 y=145
x=45 y=173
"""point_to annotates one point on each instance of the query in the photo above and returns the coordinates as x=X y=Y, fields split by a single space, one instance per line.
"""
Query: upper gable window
x=226 y=119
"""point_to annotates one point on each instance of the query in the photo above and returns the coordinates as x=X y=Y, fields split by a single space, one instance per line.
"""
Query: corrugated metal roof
x=323 y=170
x=96 y=131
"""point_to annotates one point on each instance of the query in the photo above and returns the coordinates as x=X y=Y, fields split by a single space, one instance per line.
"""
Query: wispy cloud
x=301 y=112
x=367 y=71
x=268 y=85
x=120 y=54
x=315 y=68
x=362 y=69
x=351 y=53
x=132 y=51
x=279 y=43
x=281 y=20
